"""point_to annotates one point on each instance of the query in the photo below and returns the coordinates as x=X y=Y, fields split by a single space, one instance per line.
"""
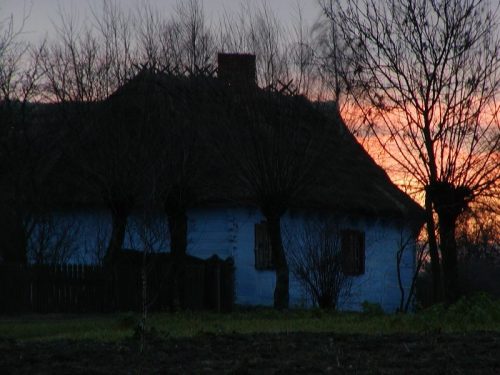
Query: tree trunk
x=449 y=202
x=447 y=225
x=437 y=285
x=281 y=294
x=13 y=240
x=326 y=302
x=119 y=224
x=177 y=226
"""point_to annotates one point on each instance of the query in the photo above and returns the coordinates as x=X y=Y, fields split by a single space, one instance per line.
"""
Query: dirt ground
x=301 y=353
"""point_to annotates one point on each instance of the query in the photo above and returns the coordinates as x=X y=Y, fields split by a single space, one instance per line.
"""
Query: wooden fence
x=207 y=284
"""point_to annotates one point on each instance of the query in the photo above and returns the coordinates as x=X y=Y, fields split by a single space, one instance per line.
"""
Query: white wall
x=230 y=232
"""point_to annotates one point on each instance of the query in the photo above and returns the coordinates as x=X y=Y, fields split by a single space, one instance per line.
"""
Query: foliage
x=478 y=309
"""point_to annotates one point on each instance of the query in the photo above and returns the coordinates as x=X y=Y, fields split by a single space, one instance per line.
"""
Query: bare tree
x=257 y=30
x=183 y=44
x=52 y=240
x=103 y=133
x=147 y=234
x=180 y=53
x=315 y=255
x=197 y=45
x=15 y=248
x=337 y=81
x=271 y=143
x=478 y=235
x=95 y=245
x=430 y=74
x=24 y=160
x=418 y=253
x=305 y=54
x=107 y=72
x=88 y=62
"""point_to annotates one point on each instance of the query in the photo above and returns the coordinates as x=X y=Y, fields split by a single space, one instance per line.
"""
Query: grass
x=53 y=327
x=478 y=313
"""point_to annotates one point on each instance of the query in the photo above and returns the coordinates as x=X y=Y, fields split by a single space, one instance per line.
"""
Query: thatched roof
x=353 y=182
x=348 y=180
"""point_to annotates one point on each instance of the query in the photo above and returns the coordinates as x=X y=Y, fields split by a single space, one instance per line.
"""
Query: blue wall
x=230 y=232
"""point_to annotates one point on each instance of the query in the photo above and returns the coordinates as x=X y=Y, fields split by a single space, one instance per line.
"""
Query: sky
x=43 y=13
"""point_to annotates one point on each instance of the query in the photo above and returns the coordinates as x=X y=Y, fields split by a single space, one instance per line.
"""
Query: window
x=353 y=252
x=263 y=254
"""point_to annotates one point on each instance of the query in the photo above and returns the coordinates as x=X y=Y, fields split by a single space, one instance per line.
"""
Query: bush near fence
x=474 y=276
x=69 y=288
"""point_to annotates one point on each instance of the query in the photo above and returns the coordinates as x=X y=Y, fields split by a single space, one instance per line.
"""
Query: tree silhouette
x=430 y=74
x=272 y=144
x=24 y=156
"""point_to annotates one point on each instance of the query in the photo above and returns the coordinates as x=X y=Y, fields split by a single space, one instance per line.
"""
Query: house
x=221 y=213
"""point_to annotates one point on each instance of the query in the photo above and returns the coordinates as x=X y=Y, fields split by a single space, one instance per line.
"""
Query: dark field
x=305 y=353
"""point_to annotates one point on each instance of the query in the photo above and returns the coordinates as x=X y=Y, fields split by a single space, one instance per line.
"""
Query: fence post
x=85 y=288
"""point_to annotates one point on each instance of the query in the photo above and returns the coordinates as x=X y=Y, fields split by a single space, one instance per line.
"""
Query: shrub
x=470 y=312
x=315 y=257
x=372 y=309
x=479 y=308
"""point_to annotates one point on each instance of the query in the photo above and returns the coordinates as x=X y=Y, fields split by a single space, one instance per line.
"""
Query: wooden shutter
x=353 y=252
x=360 y=252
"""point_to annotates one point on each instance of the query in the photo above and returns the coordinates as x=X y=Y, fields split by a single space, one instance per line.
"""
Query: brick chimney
x=237 y=69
